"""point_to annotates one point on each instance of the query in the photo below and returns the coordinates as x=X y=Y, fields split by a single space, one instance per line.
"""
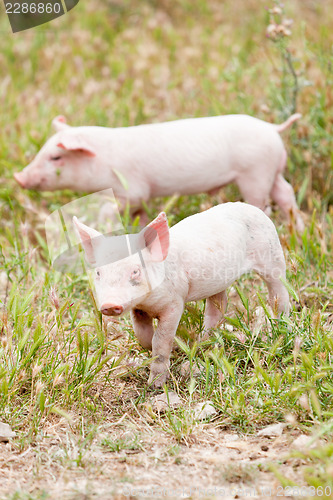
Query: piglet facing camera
x=125 y=267
x=198 y=258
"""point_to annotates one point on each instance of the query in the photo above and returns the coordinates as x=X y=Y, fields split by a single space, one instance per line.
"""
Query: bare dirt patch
x=214 y=463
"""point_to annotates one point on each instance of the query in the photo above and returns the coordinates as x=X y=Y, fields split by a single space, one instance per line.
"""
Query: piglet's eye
x=98 y=273
x=55 y=158
x=135 y=274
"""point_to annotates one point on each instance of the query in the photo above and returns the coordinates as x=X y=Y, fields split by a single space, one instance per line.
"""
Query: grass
x=123 y=63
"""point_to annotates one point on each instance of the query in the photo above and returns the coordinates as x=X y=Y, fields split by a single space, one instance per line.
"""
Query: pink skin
x=185 y=156
x=200 y=257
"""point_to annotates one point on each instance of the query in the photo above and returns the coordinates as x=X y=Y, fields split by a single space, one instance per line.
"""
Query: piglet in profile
x=198 y=258
x=184 y=157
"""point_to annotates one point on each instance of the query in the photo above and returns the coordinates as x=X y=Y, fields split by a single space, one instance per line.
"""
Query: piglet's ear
x=75 y=142
x=59 y=123
x=90 y=239
x=156 y=238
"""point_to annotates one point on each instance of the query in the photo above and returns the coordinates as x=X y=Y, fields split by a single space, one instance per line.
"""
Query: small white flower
x=271 y=29
x=280 y=29
x=287 y=22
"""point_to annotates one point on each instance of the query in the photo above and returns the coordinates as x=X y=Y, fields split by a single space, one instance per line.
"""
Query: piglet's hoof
x=157 y=379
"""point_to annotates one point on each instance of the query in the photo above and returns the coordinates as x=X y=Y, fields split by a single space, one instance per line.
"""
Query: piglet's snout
x=19 y=179
x=111 y=310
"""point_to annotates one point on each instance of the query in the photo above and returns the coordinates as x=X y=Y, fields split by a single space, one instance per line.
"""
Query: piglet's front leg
x=163 y=341
x=143 y=327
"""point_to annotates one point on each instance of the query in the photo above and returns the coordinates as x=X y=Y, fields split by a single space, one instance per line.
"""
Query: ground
x=213 y=463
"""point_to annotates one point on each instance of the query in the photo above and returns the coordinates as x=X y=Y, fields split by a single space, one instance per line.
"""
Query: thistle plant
x=279 y=31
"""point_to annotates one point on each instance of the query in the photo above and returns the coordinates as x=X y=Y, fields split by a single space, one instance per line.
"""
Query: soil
x=212 y=463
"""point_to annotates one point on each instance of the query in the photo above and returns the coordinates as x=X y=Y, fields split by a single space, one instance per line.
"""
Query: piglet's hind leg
x=278 y=296
x=283 y=194
x=214 y=310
